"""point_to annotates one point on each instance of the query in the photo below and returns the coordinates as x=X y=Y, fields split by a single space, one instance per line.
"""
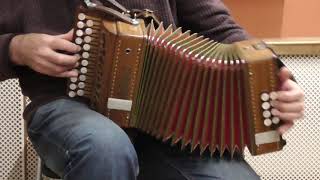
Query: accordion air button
x=81 y=16
x=266 y=114
x=80 y=93
x=89 y=23
x=275 y=120
x=265 y=97
x=266 y=105
x=72 y=94
x=78 y=40
x=87 y=39
x=85 y=55
x=88 y=31
x=273 y=95
x=80 y=24
x=73 y=86
x=86 y=47
x=73 y=79
x=83 y=70
x=84 y=63
x=81 y=85
x=267 y=122
x=79 y=33
x=82 y=77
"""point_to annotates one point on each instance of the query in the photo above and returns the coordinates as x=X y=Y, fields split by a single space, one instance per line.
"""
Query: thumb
x=67 y=36
x=284 y=74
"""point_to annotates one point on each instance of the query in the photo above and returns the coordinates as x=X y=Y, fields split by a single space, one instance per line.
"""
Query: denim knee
x=109 y=150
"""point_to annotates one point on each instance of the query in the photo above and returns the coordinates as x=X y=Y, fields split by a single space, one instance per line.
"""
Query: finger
x=287 y=116
x=285 y=127
x=68 y=74
x=63 y=59
x=290 y=95
x=51 y=69
x=64 y=45
x=288 y=107
x=67 y=36
x=289 y=85
x=284 y=74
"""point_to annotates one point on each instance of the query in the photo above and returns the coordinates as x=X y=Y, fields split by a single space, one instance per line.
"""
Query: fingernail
x=78 y=57
x=274 y=112
x=274 y=95
x=75 y=73
x=272 y=103
x=77 y=64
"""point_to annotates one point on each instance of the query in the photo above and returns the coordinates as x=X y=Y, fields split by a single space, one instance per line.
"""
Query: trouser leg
x=159 y=161
x=80 y=144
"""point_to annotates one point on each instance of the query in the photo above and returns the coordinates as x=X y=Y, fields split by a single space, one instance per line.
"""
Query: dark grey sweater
x=207 y=17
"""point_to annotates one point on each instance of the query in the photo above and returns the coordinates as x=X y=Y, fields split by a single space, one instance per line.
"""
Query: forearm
x=210 y=18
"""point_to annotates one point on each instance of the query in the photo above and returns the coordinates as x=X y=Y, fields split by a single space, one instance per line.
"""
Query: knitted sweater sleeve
x=210 y=18
x=10 y=25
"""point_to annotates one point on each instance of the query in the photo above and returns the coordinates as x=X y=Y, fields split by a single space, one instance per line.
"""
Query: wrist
x=13 y=50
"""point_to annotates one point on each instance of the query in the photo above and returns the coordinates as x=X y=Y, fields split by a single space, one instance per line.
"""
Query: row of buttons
x=269 y=119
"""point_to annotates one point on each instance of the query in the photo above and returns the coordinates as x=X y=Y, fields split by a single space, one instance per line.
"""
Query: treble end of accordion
x=262 y=81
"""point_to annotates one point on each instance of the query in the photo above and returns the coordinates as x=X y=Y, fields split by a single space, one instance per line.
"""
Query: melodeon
x=176 y=85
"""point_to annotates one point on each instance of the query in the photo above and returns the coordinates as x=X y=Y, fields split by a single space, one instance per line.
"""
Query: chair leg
x=39 y=170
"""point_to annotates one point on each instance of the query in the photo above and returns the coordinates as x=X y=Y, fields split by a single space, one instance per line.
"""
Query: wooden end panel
x=262 y=78
x=123 y=77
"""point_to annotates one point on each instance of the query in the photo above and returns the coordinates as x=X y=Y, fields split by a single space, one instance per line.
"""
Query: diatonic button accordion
x=177 y=85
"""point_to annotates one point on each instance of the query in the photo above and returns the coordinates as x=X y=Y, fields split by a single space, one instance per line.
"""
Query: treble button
x=275 y=120
x=265 y=97
x=86 y=47
x=266 y=105
x=79 y=33
x=88 y=31
x=78 y=40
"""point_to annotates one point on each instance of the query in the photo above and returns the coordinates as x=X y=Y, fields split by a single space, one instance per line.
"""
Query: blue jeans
x=77 y=143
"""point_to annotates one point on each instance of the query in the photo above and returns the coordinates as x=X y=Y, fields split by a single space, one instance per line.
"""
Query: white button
x=78 y=40
x=84 y=63
x=73 y=79
x=87 y=39
x=266 y=105
x=273 y=95
x=82 y=78
x=275 y=120
x=86 y=47
x=80 y=24
x=90 y=23
x=72 y=94
x=265 y=97
x=88 y=31
x=85 y=55
x=80 y=92
x=81 y=16
x=267 y=122
x=266 y=114
x=73 y=86
x=79 y=33
x=81 y=85
x=83 y=70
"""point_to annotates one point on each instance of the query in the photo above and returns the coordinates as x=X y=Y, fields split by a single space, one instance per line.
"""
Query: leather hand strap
x=114 y=13
x=116 y=5
x=146 y=14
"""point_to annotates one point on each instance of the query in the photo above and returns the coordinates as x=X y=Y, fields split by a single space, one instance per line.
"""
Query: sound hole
x=128 y=51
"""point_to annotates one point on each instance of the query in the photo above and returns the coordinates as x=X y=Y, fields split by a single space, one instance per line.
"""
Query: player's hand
x=289 y=105
x=43 y=53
